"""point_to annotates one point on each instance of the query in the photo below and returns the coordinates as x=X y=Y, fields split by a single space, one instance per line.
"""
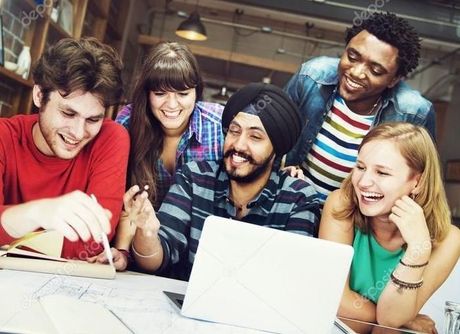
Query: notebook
x=261 y=278
x=71 y=315
x=40 y=252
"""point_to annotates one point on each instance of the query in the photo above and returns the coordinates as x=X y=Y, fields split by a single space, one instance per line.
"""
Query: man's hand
x=76 y=215
x=120 y=261
x=294 y=172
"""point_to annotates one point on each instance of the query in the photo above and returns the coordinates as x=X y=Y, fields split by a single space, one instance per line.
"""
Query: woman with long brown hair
x=169 y=125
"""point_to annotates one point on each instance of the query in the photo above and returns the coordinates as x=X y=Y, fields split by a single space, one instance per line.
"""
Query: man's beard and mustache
x=260 y=167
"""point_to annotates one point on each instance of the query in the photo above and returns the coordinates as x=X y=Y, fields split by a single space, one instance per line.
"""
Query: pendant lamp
x=192 y=28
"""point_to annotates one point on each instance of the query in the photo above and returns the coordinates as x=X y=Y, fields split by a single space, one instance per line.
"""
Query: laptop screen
x=266 y=279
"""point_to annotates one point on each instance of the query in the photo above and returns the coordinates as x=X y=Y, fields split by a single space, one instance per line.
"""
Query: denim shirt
x=313 y=89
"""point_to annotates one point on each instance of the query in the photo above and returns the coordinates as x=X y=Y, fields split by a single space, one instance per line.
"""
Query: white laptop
x=266 y=279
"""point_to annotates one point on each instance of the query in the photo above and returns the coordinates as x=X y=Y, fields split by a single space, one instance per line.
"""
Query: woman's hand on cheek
x=410 y=220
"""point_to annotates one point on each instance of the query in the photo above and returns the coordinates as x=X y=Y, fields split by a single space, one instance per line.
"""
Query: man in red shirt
x=52 y=162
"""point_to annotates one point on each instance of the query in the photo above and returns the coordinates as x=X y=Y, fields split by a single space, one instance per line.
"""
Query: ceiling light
x=267 y=80
x=192 y=28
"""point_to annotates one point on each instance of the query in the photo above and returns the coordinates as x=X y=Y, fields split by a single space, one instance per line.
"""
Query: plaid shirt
x=202 y=189
x=203 y=140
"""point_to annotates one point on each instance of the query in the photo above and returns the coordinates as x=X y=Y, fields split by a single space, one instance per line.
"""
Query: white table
x=137 y=299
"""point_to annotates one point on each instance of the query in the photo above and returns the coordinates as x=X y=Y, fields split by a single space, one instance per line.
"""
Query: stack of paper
x=40 y=252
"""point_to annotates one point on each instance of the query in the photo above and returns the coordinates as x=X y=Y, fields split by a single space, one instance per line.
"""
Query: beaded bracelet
x=413 y=265
x=405 y=285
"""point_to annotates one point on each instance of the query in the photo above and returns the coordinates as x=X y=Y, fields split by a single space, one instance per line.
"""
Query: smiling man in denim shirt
x=341 y=99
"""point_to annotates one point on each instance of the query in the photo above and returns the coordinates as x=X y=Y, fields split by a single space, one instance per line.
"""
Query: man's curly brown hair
x=86 y=64
x=395 y=31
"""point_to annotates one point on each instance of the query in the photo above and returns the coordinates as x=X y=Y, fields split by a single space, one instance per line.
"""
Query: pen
x=141 y=190
x=121 y=321
x=105 y=241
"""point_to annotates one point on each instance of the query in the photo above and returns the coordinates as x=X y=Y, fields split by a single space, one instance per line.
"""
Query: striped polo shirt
x=334 y=152
x=202 y=189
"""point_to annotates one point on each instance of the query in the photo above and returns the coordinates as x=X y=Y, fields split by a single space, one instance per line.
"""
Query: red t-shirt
x=26 y=174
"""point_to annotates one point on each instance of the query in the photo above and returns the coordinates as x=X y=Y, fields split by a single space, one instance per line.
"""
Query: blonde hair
x=421 y=155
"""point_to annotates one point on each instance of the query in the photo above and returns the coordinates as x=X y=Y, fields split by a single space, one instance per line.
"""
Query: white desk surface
x=136 y=299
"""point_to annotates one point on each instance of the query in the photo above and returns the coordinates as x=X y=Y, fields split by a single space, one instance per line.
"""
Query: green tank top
x=372 y=266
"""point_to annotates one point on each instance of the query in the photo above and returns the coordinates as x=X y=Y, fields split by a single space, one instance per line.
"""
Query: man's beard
x=255 y=173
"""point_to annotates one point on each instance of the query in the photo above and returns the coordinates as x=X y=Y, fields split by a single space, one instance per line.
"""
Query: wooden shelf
x=43 y=31
x=15 y=77
x=114 y=31
x=100 y=8
x=58 y=29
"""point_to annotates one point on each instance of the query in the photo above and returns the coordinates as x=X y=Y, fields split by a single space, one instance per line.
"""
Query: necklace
x=371 y=111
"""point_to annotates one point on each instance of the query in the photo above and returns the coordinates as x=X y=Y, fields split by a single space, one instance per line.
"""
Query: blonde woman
x=392 y=208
